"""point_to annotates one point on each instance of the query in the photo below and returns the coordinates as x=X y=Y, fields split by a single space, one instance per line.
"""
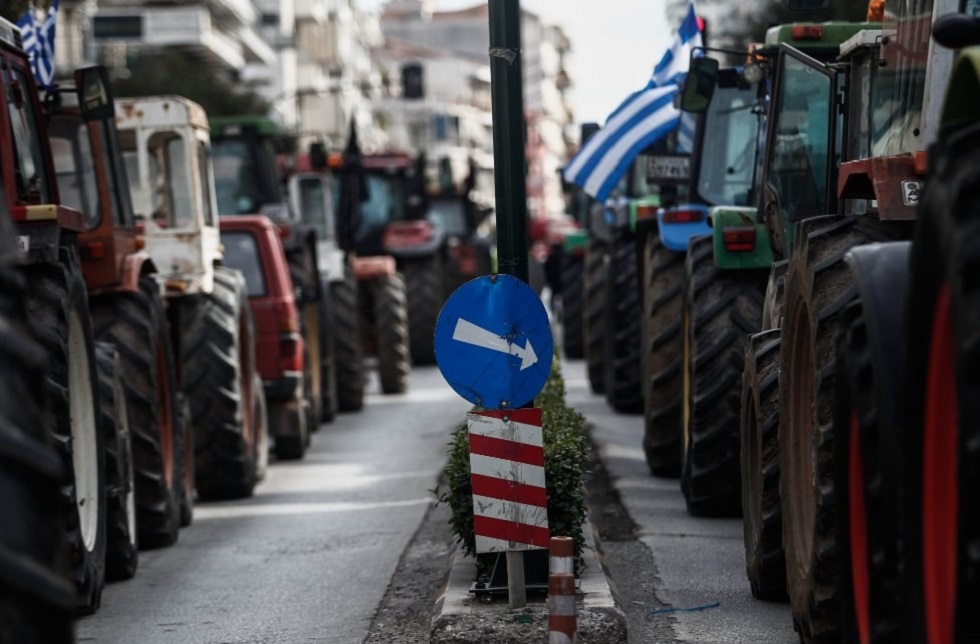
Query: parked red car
x=252 y=245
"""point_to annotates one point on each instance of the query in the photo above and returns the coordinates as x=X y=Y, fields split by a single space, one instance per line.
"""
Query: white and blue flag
x=643 y=118
x=39 y=43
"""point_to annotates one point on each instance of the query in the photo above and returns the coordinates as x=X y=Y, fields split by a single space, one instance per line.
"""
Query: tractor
x=166 y=149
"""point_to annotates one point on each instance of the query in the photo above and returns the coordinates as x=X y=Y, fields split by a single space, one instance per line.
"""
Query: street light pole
x=507 y=96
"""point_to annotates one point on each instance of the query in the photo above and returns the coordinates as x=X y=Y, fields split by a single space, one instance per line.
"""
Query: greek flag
x=39 y=43
x=643 y=118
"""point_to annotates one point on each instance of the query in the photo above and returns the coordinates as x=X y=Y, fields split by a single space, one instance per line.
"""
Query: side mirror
x=956 y=31
x=809 y=5
x=318 y=156
x=699 y=86
x=94 y=93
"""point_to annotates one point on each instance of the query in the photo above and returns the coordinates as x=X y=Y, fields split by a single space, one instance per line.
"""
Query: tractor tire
x=391 y=331
x=136 y=324
x=187 y=445
x=122 y=552
x=772 y=310
x=722 y=309
x=940 y=416
x=218 y=358
x=662 y=346
x=594 y=313
x=819 y=286
x=762 y=524
x=624 y=391
x=424 y=285
x=348 y=351
x=58 y=314
x=571 y=306
x=328 y=360
x=36 y=601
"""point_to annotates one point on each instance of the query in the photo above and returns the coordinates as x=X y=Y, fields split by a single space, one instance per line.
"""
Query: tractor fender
x=881 y=274
x=369 y=268
x=134 y=266
x=675 y=235
x=410 y=239
x=960 y=104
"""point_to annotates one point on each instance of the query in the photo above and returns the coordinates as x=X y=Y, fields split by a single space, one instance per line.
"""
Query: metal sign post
x=507 y=93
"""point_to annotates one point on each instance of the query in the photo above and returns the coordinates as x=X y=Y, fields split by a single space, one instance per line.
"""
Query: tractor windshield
x=729 y=145
x=315 y=205
x=450 y=215
x=385 y=203
x=74 y=166
x=236 y=180
x=160 y=176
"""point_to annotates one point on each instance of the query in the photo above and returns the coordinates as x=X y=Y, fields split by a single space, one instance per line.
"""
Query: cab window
x=74 y=168
x=32 y=185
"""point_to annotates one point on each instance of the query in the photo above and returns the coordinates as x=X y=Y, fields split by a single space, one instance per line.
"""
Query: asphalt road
x=309 y=557
x=700 y=562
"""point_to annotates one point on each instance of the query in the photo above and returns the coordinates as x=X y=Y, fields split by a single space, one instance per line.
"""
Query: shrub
x=566 y=455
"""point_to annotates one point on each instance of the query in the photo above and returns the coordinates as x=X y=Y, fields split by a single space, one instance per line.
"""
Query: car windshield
x=242 y=252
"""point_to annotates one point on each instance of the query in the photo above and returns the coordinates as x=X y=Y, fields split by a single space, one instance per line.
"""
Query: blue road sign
x=493 y=342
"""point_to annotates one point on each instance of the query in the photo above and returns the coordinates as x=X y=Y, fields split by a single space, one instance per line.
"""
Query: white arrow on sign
x=478 y=336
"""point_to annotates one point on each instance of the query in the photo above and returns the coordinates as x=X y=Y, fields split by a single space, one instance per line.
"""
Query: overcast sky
x=616 y=44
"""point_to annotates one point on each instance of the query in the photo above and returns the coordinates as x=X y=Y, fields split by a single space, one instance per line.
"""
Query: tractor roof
x=236 y=125
x=815 y=35
x=159 y=112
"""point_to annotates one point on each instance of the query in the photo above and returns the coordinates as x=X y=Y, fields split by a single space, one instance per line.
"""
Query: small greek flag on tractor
x=39 y=43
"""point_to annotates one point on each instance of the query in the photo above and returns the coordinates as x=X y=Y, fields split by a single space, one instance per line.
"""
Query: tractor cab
x=167 y=151
x=246 y=177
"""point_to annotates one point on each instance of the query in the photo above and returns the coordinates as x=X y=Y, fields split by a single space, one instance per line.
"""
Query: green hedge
x=566 y=454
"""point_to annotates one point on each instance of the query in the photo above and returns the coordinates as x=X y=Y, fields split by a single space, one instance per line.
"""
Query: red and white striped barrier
x=562 y=615
x=510 y=502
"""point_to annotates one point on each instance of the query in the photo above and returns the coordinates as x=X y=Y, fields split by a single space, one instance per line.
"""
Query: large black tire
x=594 y=312
x=391 y=333
x=185 y=429
x=328 y=359
x=624 y=391
x=772 y=309
x=571 y=306
x=58 y=314
x=36 y=601
x=218 y=358
x=818 y=288
x=722 y=307
x=762 y=525
x=137 y=325
x=349 y=353
x=662 y=346
x=122 y=552
x=424 y=284
x=940 y=406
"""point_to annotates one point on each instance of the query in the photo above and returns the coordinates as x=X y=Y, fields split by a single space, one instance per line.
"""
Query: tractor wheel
x=348 y=351
x=594 y=312
x=722 y=309
x=765 y=561
x=622 y=342
x=941 y=420
x=218 y=359
x=772 y=309
x=122 y=553
x=391 y=331
x=137 y=325
x=187 y=444
x=423 y=282
x=819 y=286
x=662 y=346
x=36 y=601
x=571 y=306
x=58 y=314
x=328 y=360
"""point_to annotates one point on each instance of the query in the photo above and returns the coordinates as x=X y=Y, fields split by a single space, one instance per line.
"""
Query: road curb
x=459 y=618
